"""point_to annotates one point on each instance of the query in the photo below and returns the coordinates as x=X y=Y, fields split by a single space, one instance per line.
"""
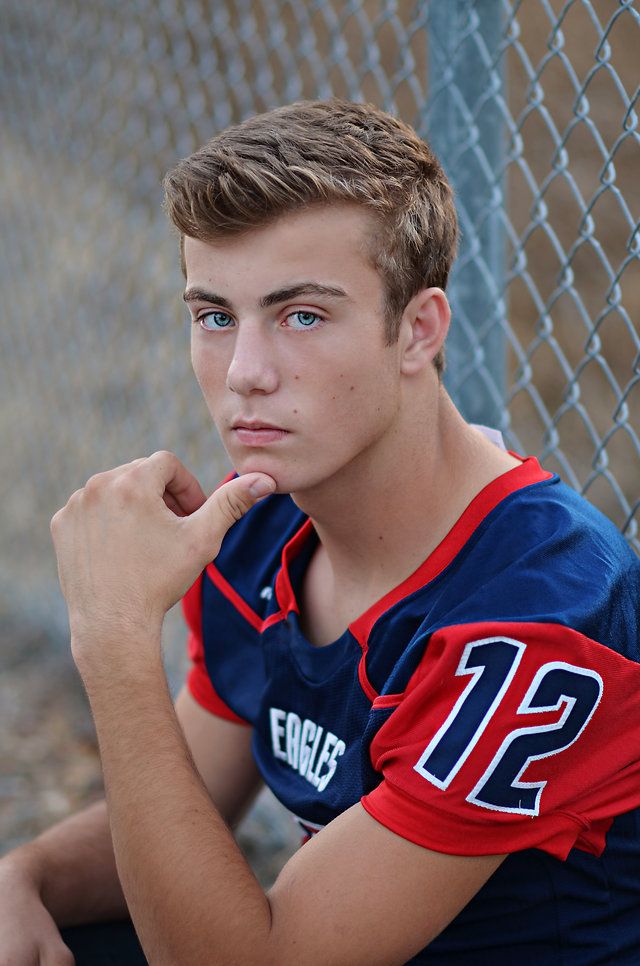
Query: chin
x=291 y=476
x=257 y=465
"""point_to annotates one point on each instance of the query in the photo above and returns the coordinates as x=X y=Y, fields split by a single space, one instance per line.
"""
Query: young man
x=425 y=645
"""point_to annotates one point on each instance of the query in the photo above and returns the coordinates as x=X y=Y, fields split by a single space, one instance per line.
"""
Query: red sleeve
x=198 y=680
x=510 y=736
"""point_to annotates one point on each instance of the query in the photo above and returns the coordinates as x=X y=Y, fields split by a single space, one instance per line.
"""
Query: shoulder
x=548 y=517
x=539 y=554
x=526 y=664
x=546 y=555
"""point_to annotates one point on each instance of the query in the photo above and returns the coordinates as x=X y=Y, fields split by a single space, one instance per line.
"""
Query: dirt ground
x=48 y=758
x=49 y=765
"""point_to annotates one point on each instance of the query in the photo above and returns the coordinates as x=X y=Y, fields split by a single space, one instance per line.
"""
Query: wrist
x=25 y=866
x=112 y=628
x=117 y=648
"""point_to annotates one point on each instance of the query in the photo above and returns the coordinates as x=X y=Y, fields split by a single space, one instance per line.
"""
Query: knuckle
x=132 y=471
x=93 y=484
x=59 y=515
x=125 y=485
x=62 y=957
x=162 y=455
x=234 y=506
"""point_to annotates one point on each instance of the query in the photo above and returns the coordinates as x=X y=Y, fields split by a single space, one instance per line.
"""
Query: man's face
x=288 y=346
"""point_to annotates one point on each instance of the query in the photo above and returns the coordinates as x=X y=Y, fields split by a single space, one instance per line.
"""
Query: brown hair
x=323 y=152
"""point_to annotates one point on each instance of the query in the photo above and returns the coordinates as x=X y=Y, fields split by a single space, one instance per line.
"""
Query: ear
x=424 y=327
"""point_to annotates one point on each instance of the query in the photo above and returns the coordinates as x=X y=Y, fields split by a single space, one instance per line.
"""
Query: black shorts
x=104 y=944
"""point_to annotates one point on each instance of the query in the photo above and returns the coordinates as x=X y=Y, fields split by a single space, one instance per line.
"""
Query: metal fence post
x=464 y=125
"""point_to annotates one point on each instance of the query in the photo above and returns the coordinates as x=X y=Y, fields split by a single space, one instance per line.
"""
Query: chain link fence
x=533 y=107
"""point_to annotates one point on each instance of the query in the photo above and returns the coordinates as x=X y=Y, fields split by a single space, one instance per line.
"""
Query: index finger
x=180 y=489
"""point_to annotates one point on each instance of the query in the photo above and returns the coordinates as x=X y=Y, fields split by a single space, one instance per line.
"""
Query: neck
x=384 y=514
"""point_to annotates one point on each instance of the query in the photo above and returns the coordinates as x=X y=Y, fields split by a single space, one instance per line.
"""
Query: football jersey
x=488 y=704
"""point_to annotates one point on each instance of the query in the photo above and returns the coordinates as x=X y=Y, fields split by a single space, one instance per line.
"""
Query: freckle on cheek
x=295 y=410
x=351 y=388
x=296 y=377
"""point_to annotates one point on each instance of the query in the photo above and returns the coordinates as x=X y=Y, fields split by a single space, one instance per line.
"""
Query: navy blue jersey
x=488 y=704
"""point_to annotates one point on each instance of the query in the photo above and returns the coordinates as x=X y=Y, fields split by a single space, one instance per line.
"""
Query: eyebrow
x=273 y=298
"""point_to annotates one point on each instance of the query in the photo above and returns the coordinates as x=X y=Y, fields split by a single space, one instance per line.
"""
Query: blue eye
x=214 y=321
x=304 y=320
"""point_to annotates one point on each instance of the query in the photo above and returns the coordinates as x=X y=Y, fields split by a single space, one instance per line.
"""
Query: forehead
x=328 y=244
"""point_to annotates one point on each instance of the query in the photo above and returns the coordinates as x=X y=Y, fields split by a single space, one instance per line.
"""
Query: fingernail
x=262 y=486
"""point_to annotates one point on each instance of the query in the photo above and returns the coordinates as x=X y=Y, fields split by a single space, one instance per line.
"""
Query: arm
x=72 y=863
x=191 y=894
x=348 y=896
x=68 y=874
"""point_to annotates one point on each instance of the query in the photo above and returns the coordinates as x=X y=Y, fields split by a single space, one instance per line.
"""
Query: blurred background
x=532 y=106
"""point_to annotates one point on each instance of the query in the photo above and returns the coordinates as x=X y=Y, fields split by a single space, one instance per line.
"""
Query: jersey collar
x=528 y=472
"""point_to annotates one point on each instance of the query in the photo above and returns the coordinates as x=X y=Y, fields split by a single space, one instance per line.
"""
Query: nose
x=252 y=368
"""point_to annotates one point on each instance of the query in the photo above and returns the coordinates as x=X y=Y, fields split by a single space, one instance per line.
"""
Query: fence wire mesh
x=533 y=105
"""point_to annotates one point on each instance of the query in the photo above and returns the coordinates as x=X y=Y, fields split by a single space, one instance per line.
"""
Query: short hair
x=319 y=153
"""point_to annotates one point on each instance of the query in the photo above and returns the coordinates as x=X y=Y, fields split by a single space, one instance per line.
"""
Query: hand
x=28 y=934
x=132 y=541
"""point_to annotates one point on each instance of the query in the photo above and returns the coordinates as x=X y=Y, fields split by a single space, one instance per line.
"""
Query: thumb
x=227 y=505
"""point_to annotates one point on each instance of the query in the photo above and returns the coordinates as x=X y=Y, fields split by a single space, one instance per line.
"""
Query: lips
x=255 y=425
x=257 y=433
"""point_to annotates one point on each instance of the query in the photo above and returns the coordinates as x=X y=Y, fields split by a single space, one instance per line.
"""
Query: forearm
x=129 y=545
x=191 y=894
x=72 y=866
